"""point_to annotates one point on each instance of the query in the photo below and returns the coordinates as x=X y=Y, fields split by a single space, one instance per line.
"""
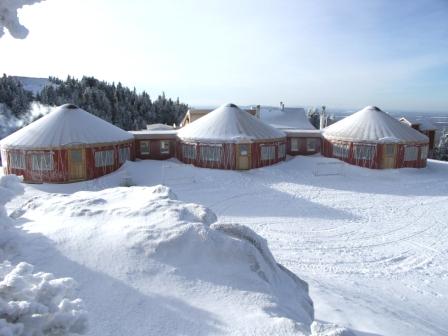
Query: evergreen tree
x=14 y=96
x=115 y=103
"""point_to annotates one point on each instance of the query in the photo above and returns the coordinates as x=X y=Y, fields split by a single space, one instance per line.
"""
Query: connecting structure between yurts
x=302 y=138
x=68 y=144
x=372 y=138
x=230 y=138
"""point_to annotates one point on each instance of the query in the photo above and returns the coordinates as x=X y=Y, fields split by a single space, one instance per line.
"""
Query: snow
x=371 y=244
x=65 y=126
x=159 y=127
x=32 y=303
x=9 y=17
x=150 y=263
x=425 y=124
x=34 y=84
x=38 y=304
x=371 y=124
x=154 y=134
x=228 y=123
x=288 y=118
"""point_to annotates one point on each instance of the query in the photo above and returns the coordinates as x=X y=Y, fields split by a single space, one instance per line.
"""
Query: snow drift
x=161 y=266
x=37 y=303
x=32 y=303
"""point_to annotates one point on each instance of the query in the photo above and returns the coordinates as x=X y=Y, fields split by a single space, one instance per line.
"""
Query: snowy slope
x=33 y=84
x=148 y=264
x=372 y=245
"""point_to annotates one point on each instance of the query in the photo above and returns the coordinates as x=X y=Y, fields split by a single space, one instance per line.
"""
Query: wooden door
x=77 y=164
x=389 y=155
x=243 y=156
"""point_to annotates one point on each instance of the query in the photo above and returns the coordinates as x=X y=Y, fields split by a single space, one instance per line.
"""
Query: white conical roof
x=66 y=126
x=373 y=125
x=228 y=123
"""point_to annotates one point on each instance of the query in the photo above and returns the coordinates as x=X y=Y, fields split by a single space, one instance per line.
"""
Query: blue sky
x=340 y=53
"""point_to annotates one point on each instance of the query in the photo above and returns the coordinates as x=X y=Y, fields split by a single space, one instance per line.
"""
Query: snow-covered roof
x=423 y=123
x=373 y=125
x=159 y=127
x=155 y=134
x=65 y=126
x=315 y=133
x=287 y=118
x=228 y=123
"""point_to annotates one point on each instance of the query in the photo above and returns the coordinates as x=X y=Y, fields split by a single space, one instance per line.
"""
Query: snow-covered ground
x=149 y=264
x=372 y=245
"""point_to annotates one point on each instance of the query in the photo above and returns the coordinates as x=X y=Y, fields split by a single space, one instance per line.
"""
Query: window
x=410 y=153
x=189 y=151
x=17 y=160
x=244 y=149
x=424 y=153
x=76 y=156
x=281 y=151
x=294 y=144
x=210 y=153
x=145 y=148
x=364 y=152
x=340 y=150
x=164 y=147
x=389 y=149
x=124 y=154
x=104 y=158
x=311 y=145
x=42 y=161
x=267 y=153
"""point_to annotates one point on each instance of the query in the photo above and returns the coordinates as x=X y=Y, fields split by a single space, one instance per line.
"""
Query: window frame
x=127 y=150
x=100 y=161
x=311 y=141
x=17 y=157
x=166 y=150
x=37 y=160
x=360 y=151
x=148 y=144
x=210 y=153
x=410 y=153
x=343 y=148
x=297 y=142
x=424 y=150
x=188 y=149
x=281 y=154
x=267 y=152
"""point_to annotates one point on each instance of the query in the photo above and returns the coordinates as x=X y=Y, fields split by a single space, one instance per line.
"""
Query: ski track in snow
x=373 y=245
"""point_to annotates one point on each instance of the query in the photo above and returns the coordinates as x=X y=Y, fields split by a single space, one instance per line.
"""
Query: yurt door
x=77 y=164
x=243 y=156
x=389 y=155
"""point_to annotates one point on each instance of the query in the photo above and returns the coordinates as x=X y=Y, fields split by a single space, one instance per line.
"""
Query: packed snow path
x=373 y=245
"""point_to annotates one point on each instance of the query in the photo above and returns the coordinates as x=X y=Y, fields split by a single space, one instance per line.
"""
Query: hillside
x=372 y=245
x=33 y=84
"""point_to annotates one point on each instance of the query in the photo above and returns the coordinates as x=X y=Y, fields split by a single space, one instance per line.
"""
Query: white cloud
x=9 y=18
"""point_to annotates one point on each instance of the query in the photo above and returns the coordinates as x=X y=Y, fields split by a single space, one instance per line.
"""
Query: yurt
x=230 y=138
x=66 y=145
x=372 y=138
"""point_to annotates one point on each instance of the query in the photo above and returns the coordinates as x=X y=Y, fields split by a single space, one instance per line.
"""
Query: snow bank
x=186 y=273
x=9 y=18
x=9 y=188
x=32 y=303
x=37 y=303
